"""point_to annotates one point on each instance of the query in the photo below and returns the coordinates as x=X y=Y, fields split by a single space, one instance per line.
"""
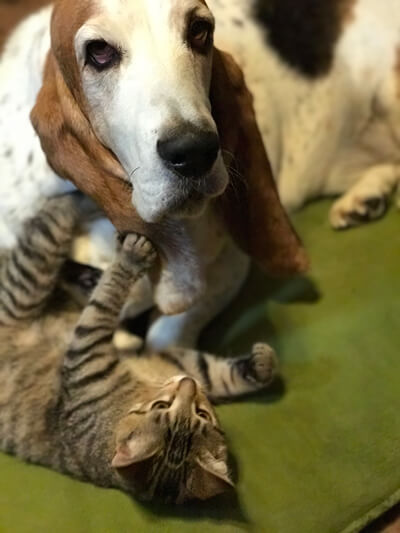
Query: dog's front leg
x=225 y=277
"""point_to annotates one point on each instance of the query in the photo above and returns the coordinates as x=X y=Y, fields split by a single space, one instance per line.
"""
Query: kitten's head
x=170 y=446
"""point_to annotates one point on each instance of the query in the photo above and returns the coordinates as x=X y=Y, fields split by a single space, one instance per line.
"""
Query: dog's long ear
x=74 y=152
x=251 y=205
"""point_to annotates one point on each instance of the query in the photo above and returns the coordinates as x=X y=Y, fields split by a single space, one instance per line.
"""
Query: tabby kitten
x=140 y=422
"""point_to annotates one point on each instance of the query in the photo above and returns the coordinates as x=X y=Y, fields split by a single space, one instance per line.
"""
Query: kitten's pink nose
x=186 y=389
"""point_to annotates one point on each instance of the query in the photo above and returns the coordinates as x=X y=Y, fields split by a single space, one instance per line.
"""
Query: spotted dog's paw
x=354 y=210
x=261 y=367
x=138 y=252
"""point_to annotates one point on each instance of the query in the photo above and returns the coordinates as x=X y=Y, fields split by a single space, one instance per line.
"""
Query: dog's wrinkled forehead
x=127 y=23
x=138 y=13
x=140 y=25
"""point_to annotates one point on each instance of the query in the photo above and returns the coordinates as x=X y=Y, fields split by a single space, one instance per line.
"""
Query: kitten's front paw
x=138 y=251
x=262 y=365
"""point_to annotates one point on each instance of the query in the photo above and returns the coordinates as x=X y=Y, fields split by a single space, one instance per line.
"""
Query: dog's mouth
x=183 y=197
x=192 y=195
x=191 y=206
x=178 y=205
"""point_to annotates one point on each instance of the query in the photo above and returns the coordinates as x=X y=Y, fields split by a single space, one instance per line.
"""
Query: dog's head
x=135 y=90
x=141 y=72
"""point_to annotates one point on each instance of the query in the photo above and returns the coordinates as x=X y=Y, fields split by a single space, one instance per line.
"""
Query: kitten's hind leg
x=224 y=378
x=30 y=272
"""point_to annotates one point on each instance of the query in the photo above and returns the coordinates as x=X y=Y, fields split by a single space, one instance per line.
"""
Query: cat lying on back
x=68 y=400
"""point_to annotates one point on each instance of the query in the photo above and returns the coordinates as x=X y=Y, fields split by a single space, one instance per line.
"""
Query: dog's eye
x=203 y=414
x=200 y=34
x=101 y=55
x=160 y=405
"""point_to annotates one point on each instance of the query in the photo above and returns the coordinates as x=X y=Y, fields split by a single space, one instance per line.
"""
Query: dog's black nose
x=191 y=153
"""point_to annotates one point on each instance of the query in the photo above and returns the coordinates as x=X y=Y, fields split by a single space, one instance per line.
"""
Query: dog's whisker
x=231 y=165
x=133 y=172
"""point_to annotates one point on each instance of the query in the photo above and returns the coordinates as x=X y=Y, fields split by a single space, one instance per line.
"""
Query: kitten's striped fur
x=69 y=400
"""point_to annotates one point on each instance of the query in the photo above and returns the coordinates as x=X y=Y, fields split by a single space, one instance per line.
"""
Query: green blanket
x=320 y=452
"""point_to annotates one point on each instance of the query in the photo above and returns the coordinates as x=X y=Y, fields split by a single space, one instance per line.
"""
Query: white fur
x=25 y=178
x=325 y=136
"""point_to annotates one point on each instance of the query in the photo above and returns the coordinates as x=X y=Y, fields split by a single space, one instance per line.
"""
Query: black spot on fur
x=238 y=22
x=8 y=152
x=30 y=158
x=304 y=32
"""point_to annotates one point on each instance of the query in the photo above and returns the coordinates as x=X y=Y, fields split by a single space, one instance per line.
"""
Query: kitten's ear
x=136 y=450
x=209 y=478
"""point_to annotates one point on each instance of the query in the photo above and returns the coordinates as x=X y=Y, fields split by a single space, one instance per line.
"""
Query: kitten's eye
x=203 y=414
x=200 y=34
x=101 y=55
x=160 y=405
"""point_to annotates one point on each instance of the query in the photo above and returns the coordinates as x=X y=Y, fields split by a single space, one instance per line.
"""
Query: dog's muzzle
x=189 y=152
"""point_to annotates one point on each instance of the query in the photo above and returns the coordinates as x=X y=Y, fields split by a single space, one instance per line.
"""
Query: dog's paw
x=261 y=367
x=354 y=210
x=138 y=252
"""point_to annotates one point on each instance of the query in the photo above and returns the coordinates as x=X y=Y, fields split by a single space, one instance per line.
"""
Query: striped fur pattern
x=69 y=400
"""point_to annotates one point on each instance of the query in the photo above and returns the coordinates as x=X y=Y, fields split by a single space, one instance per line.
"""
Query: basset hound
x=132 y=102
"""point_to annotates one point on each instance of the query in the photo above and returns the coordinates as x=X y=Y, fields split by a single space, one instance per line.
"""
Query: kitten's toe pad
x=139 y=250
x=263 y=364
